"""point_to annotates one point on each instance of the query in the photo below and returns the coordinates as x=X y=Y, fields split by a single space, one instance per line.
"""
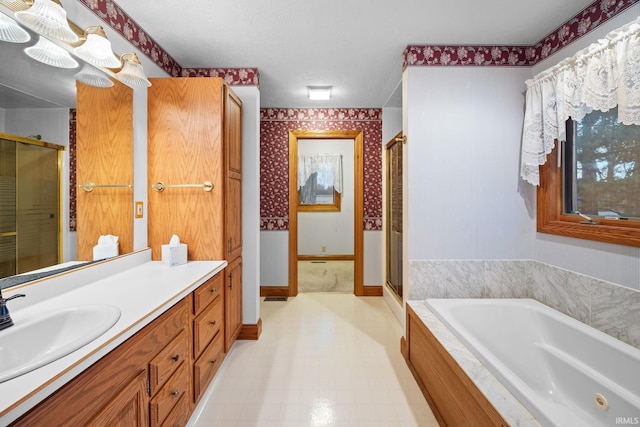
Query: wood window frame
x=321 y=207
x=551 y=219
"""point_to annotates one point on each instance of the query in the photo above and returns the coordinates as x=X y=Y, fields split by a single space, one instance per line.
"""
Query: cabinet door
x=233 y=302
x=185 y=146
x=233 y=171
x=128 y=408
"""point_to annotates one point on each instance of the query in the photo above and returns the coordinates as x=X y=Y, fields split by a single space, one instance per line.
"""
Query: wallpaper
x=275 y=124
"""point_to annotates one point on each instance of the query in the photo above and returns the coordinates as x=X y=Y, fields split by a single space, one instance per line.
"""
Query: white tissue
x=107 y=247
x=174 y=253
x=108 y=239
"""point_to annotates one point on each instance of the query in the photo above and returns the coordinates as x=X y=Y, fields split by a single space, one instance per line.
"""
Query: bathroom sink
x=33 y=343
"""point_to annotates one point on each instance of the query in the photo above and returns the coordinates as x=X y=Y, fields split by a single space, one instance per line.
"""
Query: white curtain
x=604 y=75
x=327 y=166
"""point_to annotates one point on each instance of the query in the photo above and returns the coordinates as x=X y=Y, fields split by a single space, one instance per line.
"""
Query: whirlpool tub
x=562 y=371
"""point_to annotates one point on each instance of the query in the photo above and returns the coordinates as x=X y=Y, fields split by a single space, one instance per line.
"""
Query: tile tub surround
x=606 y=306
x=500 y=398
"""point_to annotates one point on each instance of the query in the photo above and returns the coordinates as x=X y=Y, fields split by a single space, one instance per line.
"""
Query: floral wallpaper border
x=588 y=19
x=275 y=124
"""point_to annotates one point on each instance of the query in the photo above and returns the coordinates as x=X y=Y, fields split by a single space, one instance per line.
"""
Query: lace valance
x=327 y=166
x=604 y=75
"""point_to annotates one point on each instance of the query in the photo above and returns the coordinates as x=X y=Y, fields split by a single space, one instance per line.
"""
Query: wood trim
x=453 y=397
x=317 y=207
x=274 y=291
x=551 y=220
x=326 y=257
x=372 y=291
x=251 y=332
x=358 y=244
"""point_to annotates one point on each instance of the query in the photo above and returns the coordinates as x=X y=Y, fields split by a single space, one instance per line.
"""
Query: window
x=599 y=177
x=602 y=164
x=316 y=196
x=319 y=182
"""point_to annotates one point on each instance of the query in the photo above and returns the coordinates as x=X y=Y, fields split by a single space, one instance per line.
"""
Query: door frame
x=358 y=217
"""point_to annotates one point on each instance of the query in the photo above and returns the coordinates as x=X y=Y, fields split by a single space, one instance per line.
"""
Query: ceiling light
x=96 y=49
x=132 y=73
x=49 y=18
x=11 y=32
x=319 y=92
x=50 y=53
x=93 y=77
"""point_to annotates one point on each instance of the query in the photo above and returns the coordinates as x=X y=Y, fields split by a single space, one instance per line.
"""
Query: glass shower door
x=29 y=209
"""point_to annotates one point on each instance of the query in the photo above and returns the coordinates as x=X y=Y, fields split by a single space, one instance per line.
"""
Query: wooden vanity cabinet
x=208 y=333
x=155 y=378
x=117 y=386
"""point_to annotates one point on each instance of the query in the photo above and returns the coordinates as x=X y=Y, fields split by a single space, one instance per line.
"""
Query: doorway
x=355 y=137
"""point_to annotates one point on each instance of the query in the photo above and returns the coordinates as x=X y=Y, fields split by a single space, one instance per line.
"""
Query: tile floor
x=323 y=360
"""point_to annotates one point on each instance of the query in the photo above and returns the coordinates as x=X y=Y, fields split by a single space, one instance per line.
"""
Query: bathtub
x=563 y=371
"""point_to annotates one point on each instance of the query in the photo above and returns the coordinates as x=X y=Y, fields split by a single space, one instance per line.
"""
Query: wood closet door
x=104 y=155
x=185 y=146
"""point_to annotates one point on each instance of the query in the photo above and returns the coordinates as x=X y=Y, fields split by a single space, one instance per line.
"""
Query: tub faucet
x=5 y=318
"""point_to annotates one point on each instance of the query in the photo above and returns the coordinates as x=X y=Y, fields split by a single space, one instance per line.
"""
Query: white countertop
x=142 y=293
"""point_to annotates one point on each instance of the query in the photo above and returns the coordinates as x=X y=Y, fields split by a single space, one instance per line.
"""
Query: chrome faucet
x=5 y=318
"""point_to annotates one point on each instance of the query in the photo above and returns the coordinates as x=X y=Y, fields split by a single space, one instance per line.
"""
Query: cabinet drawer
x=207 y=293
x=179 y=415
x=167 y=361
x=168 y=396
x=206 y=366
x=206 y=326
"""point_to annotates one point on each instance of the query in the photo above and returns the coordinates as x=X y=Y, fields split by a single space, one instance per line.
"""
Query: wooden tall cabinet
x=195 y=137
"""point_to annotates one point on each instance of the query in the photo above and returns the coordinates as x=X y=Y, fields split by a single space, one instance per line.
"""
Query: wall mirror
x=35 y=99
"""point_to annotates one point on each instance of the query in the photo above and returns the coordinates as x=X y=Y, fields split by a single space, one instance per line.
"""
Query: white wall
x=615 y=263
x=334 y=230
x=465 y=198
x=250 y=96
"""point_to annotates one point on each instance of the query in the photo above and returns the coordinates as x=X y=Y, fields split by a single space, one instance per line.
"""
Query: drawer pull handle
x=176 y=393
x=214 y=361
x=213 y=323
x=213 y=291
x=176 y=358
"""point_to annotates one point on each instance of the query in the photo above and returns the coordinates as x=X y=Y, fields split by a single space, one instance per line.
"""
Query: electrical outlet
x=324 y=248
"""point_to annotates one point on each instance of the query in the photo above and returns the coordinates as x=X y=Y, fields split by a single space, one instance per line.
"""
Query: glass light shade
x=132 y=73
x=96 y=50
x=50 y=53
x=319 y=92
x=48 y=18
x=93 y=77
x=11 y=32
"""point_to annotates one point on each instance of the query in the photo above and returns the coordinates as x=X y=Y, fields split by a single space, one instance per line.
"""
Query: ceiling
x=354 y=45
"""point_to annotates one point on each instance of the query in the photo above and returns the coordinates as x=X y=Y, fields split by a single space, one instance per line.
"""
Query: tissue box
x=105 y=251
x=174 y=255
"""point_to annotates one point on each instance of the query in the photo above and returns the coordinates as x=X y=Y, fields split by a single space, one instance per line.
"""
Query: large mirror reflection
x=38 y=102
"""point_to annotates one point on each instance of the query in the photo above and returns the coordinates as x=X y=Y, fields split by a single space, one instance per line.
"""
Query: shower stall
x=29 y=204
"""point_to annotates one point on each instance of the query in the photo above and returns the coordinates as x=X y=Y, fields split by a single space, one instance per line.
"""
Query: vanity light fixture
x=11 y=32
x=96 y=49
x=319 y=92
x=132 y=73
x=48 y=17
x=49 y=53
x=93 y=77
